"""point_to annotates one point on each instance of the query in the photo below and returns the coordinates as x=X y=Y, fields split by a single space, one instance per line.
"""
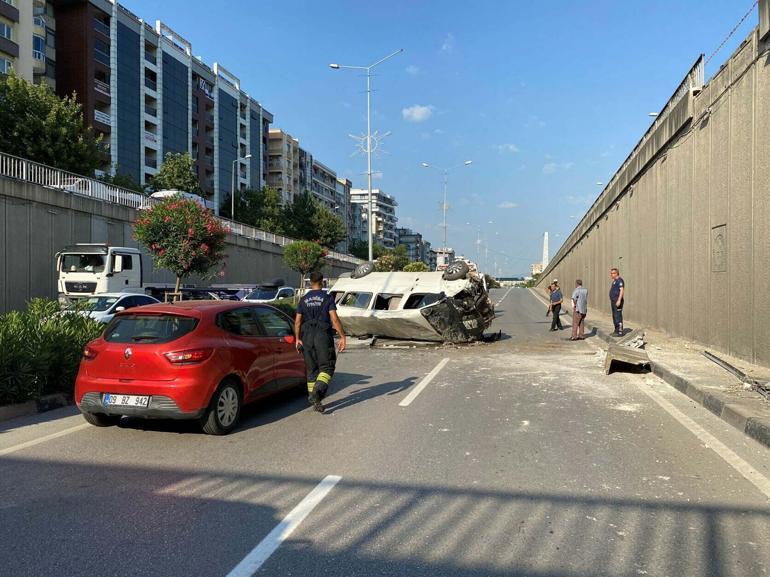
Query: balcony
x=101 y=86
x=151 y=162
x=102 y=57
x=100 y=26
x=102 y=117
x=39 y=21
x=150 y=110
x=151 y=58
x=150 y=137
x=151 y=84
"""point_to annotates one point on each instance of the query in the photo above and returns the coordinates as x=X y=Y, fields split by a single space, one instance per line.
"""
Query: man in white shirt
x=579 y=310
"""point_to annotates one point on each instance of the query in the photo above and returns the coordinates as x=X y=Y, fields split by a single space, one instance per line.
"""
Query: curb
x=41 y=405
x=740 y=416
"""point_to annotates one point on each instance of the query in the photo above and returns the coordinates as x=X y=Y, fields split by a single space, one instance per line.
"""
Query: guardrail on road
x=71 y=183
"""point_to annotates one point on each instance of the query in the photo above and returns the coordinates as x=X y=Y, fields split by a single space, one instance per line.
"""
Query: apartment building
x=143 y=89
x=384 y=215
x=305 y=171
x=28 y=40
x=417 y=248
x=342 y=208
x=283 y=165
x=324 y=185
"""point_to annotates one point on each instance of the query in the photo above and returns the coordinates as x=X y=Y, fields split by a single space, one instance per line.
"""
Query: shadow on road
x=366 y=393
x=92 y=519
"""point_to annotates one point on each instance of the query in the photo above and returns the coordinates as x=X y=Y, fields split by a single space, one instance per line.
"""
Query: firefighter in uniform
x=316 y=315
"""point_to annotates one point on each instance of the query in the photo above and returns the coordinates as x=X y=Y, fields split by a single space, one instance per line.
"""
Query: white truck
x=88 y=269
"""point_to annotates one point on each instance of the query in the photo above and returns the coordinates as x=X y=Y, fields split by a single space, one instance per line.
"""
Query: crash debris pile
x=629 y=351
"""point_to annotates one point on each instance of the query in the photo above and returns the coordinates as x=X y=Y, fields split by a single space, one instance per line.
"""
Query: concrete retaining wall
x=36 y=222
x=690 y=232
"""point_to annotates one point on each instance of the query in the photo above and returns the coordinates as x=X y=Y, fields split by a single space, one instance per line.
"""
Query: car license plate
x=113 y=400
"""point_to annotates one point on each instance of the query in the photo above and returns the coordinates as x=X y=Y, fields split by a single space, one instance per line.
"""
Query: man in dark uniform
x=316 y=315
x=617 y=292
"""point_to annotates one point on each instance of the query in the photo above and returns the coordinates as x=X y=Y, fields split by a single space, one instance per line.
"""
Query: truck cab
x=88 y=269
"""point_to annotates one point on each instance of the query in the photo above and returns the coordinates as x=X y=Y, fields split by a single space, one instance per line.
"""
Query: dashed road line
x=423 y=383
x=39 y=440
x=498 y=303
x=261 y=553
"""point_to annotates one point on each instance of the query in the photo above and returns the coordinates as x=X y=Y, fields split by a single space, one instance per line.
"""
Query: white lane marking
x=498 y=303
x=256 y=558
x=50 y=437
x=423 y=383
x=747 y=471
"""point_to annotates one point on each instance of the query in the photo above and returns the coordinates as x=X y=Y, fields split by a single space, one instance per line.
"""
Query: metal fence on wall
x=70 y=183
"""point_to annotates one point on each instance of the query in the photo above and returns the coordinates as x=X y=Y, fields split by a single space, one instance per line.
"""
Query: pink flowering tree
x=182 y=237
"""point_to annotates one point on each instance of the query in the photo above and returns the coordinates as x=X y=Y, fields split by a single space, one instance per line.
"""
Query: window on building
x=5 y=30
x=5 y=66
x=38 y=47
x=50 y=38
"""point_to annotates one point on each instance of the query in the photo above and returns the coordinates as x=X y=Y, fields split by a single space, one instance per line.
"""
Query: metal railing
x=70 y=183
x=101 y=27
x=102 y=117
x=102 y=86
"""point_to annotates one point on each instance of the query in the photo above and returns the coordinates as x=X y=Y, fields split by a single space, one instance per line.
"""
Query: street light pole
x=445 y=172
x=232 y=188
x=370 y=215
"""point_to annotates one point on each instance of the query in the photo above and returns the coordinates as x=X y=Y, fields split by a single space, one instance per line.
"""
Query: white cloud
x=417 y=113
x=507 y=204
x=448 y=44
x=507 y=147
x=552 y=167
x=412 y=70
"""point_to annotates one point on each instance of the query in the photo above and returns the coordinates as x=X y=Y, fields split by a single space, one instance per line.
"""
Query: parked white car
x=269 y=294
x=104 y=306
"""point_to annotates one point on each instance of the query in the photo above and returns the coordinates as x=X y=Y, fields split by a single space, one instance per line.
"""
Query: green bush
x=288 y=306
x=40 y=350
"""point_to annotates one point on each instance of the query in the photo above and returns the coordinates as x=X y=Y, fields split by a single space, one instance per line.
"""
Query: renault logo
x=127 y=353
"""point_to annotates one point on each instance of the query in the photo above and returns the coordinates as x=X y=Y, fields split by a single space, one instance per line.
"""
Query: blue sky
x=546 y=98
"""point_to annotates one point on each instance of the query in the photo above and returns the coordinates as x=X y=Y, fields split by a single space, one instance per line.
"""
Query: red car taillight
x=188 y=357
x=89 y=354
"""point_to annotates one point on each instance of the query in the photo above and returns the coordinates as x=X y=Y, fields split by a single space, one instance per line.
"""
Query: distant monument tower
x=545 y=250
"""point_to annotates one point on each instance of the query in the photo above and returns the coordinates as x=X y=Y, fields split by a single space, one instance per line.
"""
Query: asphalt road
x=519 y=457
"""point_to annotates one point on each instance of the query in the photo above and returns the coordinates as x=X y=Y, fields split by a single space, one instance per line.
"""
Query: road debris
x=749 y=383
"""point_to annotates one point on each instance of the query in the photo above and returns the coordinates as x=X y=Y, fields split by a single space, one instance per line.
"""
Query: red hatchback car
x=190 y=360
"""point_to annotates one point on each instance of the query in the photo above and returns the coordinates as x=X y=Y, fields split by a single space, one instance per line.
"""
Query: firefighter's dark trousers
x=320 y=356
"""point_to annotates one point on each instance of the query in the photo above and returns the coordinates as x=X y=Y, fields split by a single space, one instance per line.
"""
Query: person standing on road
x=617 y=294
x=579 y=310
x=555 y=307
x=316 y=315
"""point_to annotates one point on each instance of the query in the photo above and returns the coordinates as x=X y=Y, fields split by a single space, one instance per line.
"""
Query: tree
x=297 y=217
x=258 y=208
x=182 y=236
x=177 y=172
x=416 y=266
x=328 y=227
x=360 y=249
x=38 y=125
x=392 y=260
x=304 y=257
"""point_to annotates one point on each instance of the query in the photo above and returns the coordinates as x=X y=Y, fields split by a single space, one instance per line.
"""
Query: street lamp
x=368 y=69
x=232 y=188
x=445 y=171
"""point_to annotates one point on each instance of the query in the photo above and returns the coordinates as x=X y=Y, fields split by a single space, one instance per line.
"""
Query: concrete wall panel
x=692 y=228
x=740 y=262
x=36 y=222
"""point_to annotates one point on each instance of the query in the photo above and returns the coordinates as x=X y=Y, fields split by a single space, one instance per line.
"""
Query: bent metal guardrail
x=70 y=183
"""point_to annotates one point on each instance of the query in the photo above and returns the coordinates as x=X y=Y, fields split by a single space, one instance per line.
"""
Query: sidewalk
x=681 y=364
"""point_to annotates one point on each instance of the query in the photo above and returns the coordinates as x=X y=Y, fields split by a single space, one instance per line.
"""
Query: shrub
x=416 y=266
x=40 y=350
x=287 y=306
x=182 y=236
